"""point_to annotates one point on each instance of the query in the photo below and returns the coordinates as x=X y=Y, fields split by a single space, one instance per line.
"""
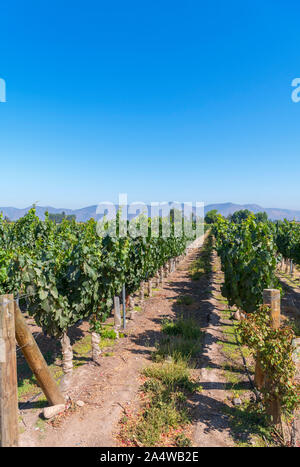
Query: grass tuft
x=185 y=300
x=187 y=328
x=166 y=388
x=165 y=392
x=202 y=265
x=183 y=340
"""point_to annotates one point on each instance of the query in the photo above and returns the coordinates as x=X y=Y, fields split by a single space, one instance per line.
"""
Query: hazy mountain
x=88 y=212
x=82 y=215
x=274 y=213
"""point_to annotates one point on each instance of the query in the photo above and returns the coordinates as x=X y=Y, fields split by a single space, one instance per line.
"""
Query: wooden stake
x=286 y=266
x=36 y=360
x=117 y=315
x=96 y=352
x=9 y=428
x=124 y=305
x=157 y=278
x=131 y=310
x=272 y=299
x=150 y=288
x=142 y=292
x=67 y=355
x=292 y=268
x=161 y=276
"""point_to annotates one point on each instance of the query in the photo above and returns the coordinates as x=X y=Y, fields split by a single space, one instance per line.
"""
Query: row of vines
x=250 y=252
x=64 y=273
x=288 y=240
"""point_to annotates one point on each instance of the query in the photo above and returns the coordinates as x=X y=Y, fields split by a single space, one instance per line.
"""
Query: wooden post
x=131 y=310
x=150 y=288
x=130 y=302
x=161 y=276
x=67 y=357
x=292 y=268
x=124 y=305
x=117 y=315
x=36 y=360
x=272 y=299
x=286 y=266
x=142 y=292
x=9 y=427
x=157 y=279
x=96 y=352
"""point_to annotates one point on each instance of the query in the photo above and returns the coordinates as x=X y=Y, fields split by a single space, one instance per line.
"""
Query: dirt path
x=212 y=426
x=223 y=377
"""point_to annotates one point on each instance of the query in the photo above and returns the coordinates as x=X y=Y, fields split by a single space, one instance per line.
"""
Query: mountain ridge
x=86 y=213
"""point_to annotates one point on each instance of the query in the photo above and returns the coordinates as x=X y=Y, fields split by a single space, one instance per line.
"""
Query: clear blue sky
x=163 y=100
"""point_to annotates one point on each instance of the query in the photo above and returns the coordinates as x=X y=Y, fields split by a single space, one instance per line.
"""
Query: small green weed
x=185 y=300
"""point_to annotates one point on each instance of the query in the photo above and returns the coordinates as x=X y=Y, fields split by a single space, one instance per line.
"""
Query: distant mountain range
x=274 y=213
x=83 y=214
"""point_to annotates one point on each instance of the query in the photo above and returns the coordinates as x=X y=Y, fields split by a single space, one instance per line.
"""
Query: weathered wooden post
x=271 y=298
x=157 y=279
x=36 y=360
x=67 y=358
x=150 y=288
x=142 y=292
x=117 y=315
x=286 y=266
x=9 y=428
x=124 y=305
x=131 y=309
x=161 y=276
x=292 y=268
x=96 y=352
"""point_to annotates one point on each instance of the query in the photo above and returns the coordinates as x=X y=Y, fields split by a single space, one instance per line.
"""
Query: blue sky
x=163 y=100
